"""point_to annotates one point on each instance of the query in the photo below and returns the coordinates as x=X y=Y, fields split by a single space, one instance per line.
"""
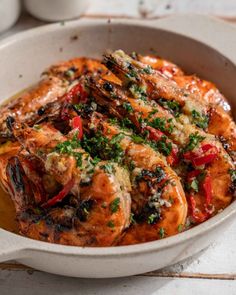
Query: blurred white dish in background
x=9 y=13
x=56 y=10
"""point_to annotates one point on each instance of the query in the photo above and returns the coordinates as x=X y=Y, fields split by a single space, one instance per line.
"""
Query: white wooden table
x=213 y=271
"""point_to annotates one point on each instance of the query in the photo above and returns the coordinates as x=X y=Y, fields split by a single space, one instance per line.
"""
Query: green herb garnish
x=147 y=70
x=194 y=140
x=161 y=124
x=108 y=168
x=180 y=227
x=171 y=105
x=114 y=205
x=103 y=148
x=138 y=92
x=200 y=120
x=111 y=224
x=153 y=218
x=137 y=138
x=127 y=106
x=162 y=232
x=69 y=147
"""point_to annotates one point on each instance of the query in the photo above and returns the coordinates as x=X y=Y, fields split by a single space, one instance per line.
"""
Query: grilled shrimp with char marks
x=158 y=199
x=50 y=147
x=178 y=137
x=100 y=215
x=157 y=86
x=55 y=83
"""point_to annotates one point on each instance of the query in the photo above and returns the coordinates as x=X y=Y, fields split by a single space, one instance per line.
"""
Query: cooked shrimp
x=63 y=158
x=164 y=66
x=102 y=213
x=7 y=150
x=120 y=155
x=75 y=68
x=26 y=104
x=148 y=113
x=157 y=195
x=119 y=104
x=55 y=83
x=157 y=86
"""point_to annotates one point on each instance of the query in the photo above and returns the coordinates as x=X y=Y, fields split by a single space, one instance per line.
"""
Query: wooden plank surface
x=160 y=8
x=25 y=283
x=213 y=271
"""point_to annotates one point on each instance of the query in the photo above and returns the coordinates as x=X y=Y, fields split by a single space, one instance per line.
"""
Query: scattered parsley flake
x=162 y=232
x=153 y=218
x=180 y=227
x=127 y=106
x=171 y=105
x=111 y=224
x=114 y=205
x=108 y=168
x=200 y=120
x=194 y=140
x=69 y=147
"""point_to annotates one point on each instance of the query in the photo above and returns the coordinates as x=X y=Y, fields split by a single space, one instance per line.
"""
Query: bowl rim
x=27 y=244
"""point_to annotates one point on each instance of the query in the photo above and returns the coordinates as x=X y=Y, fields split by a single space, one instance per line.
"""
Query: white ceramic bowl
x=193 y=42
x=56 y=10
x=9 y=13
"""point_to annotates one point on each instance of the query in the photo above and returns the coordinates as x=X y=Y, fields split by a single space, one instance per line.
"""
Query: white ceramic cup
x=56 y=10
x=9 y=13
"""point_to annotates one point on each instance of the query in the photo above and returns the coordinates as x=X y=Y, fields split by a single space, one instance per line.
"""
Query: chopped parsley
x=153 y=218
x=171 y=105
x=111 y=224
x=193 y=185
x=114 y=205
x=37 y=127
x=162 y=146
x=104 y=148
x=147 y=70
x=113 y=121
x=108 y=168
x=138 y=92
x=69 y=147
x=117 y=138
x=161 y=124
x=232 y=173
x=153 y=112
x=124 y=123
x=162 y=232
x=132 y=72
x=194 y=140
x=200 y=120
x=180 y=227
x=137 y=138
x=127 y=106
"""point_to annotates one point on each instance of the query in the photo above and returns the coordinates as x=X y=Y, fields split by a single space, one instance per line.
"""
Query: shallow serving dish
x=199 y=45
